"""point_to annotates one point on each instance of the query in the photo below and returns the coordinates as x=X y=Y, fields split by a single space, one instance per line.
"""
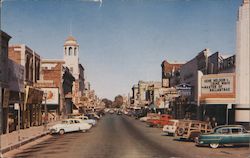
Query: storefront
x=31 y=110
x=217 y=97
x=52 y=102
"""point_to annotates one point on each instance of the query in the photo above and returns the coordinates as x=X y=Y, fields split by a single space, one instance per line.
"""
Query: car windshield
x=64 y=122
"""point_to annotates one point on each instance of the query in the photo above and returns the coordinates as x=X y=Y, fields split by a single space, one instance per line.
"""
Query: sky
x=123 y=41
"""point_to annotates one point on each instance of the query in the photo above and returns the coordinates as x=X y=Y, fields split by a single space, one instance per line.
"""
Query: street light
x=46 y=110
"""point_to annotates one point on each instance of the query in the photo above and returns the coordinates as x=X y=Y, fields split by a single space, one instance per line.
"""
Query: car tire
x=180 y=131
x=214 y=145
x=61 y=131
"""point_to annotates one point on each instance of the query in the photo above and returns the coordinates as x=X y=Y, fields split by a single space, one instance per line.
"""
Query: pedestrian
x=213 y=122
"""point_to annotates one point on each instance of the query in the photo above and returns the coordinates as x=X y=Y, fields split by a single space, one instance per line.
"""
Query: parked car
x=70 y=125
x=140 y=113
x=111 y=111
x=119 y=112
x=171 y=127
x=160 y=121
x=190 y=129
x=226 y=134
x=87 y=120
x=92 y=116
x=149 y=116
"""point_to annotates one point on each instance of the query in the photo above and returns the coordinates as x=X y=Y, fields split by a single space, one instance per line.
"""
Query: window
x=236 y=130
x=224 y=131
x=71 y=122
x=77 y=121
x=70 y=51
x=75 y=51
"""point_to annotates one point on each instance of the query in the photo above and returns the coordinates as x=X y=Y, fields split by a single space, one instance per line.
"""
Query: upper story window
x=70 y=51
x=75 y=52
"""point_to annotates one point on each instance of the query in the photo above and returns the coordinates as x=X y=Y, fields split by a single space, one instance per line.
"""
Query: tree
x=107 y=102
x=118 y=101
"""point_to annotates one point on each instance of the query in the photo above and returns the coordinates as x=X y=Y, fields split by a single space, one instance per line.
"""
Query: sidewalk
x=10 y=141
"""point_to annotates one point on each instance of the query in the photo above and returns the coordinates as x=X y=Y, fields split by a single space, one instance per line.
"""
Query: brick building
x=30 y=60
x=56 y=79
x=170 y=73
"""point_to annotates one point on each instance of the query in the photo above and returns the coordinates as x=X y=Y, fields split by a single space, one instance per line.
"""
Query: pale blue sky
x=123 y=41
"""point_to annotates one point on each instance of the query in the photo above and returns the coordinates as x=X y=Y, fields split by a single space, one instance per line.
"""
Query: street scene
x=125 y=78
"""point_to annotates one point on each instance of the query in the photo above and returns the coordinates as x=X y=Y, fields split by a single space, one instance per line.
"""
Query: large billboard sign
x=217 y=86
x=52 y=96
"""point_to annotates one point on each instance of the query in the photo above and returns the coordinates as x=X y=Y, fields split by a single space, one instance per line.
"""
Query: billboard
x=52 y=96
x=218 y=86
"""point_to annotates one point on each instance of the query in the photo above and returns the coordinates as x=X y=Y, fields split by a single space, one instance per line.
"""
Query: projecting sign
x=217 y=84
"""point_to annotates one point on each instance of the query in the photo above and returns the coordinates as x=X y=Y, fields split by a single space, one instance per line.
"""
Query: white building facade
x=71 y=58
x=242 y=109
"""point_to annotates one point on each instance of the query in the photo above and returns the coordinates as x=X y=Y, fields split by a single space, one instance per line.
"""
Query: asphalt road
x=118 y=136
x=114 y=137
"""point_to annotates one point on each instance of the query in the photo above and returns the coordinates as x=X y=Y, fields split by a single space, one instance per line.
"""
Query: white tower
x=243 y=65
x=71 y=52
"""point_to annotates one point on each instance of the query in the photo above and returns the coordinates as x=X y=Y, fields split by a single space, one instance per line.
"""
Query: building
x=71 y=58
x=170 y=73
x=4 y=92
x=57 y=82
x=16 y=93
x=30 y=60
x=242 y=108
x=191 y=74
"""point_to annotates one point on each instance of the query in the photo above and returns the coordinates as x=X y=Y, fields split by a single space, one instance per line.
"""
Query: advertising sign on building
x=219 y=85
x=184 y=90
x=52 y=96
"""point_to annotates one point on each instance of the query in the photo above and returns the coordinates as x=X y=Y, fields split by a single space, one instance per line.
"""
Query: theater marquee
x=217 y=86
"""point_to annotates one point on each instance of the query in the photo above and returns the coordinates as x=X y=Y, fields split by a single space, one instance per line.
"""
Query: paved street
x=121 y=136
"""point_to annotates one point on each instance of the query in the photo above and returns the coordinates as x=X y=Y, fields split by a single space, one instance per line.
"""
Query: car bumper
x=53 y=131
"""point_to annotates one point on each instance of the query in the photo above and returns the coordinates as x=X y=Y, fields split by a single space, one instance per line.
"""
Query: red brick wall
x=15 y=55
x=53 y=74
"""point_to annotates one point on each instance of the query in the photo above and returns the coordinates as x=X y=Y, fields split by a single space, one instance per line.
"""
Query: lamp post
x=45 y=110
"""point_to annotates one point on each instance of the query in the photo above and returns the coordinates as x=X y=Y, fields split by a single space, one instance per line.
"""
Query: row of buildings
x=43 y=89
x=209 y=85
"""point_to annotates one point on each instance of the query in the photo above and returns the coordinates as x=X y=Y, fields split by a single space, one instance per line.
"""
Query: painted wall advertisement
x=52 y=96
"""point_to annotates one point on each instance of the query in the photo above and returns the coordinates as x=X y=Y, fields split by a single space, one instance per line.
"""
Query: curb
x=23 y=142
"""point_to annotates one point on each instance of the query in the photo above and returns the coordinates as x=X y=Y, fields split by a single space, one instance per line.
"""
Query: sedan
x=227 y=134
x=70 y=125
x=87 y=120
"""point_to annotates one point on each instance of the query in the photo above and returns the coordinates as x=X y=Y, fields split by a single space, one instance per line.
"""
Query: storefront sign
x=217 y=85
x=32 y=96
x=184 y=89
x=51 y=96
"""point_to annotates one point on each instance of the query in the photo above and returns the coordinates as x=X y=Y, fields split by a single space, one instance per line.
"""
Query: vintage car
x=87 y=120
x=160 y=121
x=226 y=134
x=70 y=125
x=149 y=116
x=171 y=127
x=190 y=129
